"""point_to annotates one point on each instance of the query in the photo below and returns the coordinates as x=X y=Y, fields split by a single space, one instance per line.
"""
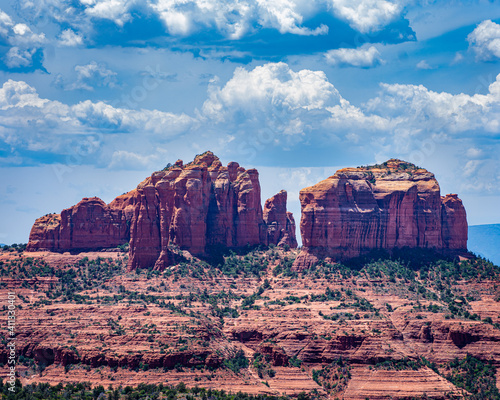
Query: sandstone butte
x=198 y=207
x=386 y=206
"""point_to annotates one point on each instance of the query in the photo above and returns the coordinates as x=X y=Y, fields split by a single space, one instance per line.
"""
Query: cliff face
x=382 y=207
x=280 y=223
x=454 y=222
x=196 y=207
x=91 y=224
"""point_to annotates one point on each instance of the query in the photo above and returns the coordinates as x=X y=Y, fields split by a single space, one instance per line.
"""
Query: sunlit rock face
x=195 y=207
x=387 y=206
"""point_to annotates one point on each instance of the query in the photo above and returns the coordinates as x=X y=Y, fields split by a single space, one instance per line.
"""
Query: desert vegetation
x=240 y=317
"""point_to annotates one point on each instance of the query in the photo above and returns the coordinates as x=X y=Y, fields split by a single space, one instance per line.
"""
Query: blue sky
x=97 y=94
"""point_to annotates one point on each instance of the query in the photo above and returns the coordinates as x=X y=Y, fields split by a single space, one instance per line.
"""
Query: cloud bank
x=23 y=42
x=271 y=104
x=236 y=19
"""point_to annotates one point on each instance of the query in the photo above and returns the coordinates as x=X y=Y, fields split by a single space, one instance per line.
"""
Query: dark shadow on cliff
x=412 y=258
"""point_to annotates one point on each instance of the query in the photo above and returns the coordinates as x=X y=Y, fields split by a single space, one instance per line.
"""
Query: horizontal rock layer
x=393 y=205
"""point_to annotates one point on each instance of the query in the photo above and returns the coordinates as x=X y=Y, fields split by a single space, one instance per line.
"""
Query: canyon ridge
x=189 y=279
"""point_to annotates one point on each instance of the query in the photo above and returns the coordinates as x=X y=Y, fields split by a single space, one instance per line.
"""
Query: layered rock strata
x=195 y=207
x=392 y=205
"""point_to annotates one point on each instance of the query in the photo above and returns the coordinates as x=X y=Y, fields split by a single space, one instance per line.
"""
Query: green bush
x=236 y=362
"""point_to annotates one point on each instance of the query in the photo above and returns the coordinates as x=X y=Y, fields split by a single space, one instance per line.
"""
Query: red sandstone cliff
x=194 y=206
x=280 y=223
x=388 y=206
x=454 y=222
x=91 y=224
x=198 y=206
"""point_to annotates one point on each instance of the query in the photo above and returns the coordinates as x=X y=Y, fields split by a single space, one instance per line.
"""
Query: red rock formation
x=280 y=223
x=389 y=206
x=91 y=224
x=454 y=222
x=196 y=207
x=44 y=234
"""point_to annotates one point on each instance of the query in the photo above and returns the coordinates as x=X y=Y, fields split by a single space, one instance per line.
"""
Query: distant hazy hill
x=485 y=241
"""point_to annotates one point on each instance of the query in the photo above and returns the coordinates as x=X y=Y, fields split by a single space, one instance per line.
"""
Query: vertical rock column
x=455 y=229
x=145 y=242
x=280 y=223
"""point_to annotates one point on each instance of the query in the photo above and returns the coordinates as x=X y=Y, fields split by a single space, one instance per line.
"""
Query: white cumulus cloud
x=17 y=57
x=23 y=41
x=24 y=36
x=270 y=105
x=283 y=107
x=303 y=105
x=5 y=24
x=116 y=10
x=364 y=57
x=273 y=102
x=233 y=19
x=19 y=94
x=367 y=15
x=69 y=38
x=485 y=41
x=421 y=109
x=286 y=16
x=34 y=123
x=271 y=86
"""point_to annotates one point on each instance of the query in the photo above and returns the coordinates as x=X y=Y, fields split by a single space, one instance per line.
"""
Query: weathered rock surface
x=454 y=223
x=381 y=385
x=128 y=329
x=197 y=207
x=91 y=224
x=389 y=206
x=280 y=223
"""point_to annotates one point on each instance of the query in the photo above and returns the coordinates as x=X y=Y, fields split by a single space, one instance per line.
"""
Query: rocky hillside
x=387 y=206
x=409 y=327
x=382 y=302
x=199 y=207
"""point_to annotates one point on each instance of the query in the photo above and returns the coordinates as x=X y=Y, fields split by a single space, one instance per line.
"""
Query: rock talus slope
x=387 y=206
x=197 y=207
